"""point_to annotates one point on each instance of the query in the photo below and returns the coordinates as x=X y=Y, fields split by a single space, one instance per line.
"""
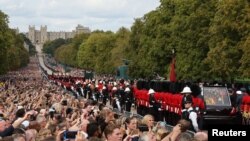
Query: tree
x=69 y=51
x=87 y=52
x=79 y=39
x=121 y=46
x=50 y=46
x=32 y=49
x=12 y=53
x=4 y=42
x=17 y=55
x=134 y=48
x=245 y=59
x=95 y=53
x=229 y=29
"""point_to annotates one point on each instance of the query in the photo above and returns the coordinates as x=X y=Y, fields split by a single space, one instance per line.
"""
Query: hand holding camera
x=80 y=136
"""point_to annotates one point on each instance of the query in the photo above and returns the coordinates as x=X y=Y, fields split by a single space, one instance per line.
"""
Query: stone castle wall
x=42 y=35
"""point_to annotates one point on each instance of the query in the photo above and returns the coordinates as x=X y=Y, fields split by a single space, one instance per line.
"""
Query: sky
x=65 y=15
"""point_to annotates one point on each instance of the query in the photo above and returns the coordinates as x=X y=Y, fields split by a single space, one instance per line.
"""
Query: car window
x=216 y=96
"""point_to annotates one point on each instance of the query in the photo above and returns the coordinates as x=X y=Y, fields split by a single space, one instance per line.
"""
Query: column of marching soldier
x=122 y=95
x=118 y=94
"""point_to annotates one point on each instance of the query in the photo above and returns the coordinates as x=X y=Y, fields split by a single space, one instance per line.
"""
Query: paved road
x=40 y=57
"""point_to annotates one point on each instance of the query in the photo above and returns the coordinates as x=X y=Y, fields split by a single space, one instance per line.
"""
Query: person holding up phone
x=148 y=120
x=149 y=136
x=67 y=135
x=8 y=130
x=179 y=128
x=80 y=137
x=131 y=128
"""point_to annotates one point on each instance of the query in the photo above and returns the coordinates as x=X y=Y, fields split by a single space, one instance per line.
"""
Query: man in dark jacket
x=128 y=99
x=153 y=105
x=188 y=113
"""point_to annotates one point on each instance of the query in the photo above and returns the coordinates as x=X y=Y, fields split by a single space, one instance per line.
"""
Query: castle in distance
x=42 y=35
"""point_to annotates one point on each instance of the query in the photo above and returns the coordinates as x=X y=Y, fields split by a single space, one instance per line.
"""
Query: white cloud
x=66 y=14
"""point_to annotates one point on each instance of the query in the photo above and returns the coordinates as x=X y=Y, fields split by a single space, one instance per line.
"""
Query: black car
x=218 y=108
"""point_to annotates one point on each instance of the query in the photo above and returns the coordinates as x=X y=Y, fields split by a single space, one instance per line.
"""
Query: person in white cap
x=128 y=99
x=186 y=93
x=239 y=97
x=113 y=94
x=105 y=95
x=153 y=108
x=188 y=113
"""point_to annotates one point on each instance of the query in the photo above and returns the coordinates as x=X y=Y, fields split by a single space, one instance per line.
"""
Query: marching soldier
x=128 y=99
x=105 y=95
x=121 y=96
x=153 y=106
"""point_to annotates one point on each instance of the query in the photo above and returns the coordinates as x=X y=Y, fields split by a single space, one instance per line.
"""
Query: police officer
x=189 y=113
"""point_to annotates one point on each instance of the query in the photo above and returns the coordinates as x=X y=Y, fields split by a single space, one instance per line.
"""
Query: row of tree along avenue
x=211 y=40
x=13 y=55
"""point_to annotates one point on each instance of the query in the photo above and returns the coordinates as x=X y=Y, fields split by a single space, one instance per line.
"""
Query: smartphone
x=143 y=128
x=64 y=103
x=135 y=138
x=69 y=135
x=116 y=116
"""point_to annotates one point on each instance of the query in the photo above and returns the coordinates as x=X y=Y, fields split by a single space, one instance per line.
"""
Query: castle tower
x=81 y=29
x=31 y=34
x=44 y=34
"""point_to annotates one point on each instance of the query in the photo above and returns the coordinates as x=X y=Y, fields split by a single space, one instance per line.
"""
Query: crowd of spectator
x=62 y=69
x=34 y=109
